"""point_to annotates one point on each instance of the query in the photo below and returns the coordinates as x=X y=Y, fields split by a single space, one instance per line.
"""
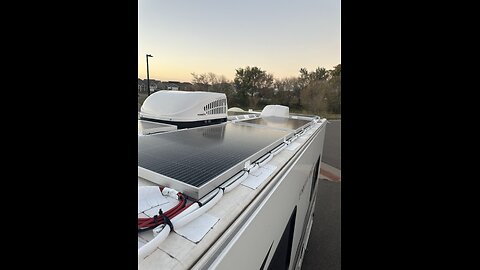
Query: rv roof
x=196 y=161
x=179 y=252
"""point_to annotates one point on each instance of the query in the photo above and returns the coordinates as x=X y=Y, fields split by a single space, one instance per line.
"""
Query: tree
x=303 y=73
x=212 y=78
x=252 y=83
x=199 y=78
x=315 y=92
x=304 y=78
x=314 y=97
x=335 y=90
x=200 y=82
x=320 y=74
x=337 y=70
x=288 y=92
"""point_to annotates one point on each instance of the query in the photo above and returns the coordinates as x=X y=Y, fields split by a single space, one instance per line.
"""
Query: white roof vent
x=184 y=106
x=275 y=110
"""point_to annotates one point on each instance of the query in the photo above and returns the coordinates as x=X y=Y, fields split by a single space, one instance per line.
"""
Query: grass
x=329 y=116
x=332 y=116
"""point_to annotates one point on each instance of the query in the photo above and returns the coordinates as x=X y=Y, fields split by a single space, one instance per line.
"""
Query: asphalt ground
x=324 y=244
x=332 y=145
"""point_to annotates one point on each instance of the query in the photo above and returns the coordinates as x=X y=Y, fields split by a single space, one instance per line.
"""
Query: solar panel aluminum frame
x=199 y=192
x=297 y=130
x=159 y=127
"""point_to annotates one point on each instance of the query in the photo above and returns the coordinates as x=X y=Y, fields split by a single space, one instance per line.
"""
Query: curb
x=330 y=173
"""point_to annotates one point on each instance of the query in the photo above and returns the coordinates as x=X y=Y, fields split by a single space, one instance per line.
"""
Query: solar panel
x=195 y=161
x=277 y=122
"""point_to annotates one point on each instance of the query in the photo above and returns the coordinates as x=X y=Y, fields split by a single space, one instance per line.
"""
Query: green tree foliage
x=287 y=92
x=335 y=90
x=253 y=85
x=315 y=92
x=321 y=90
x=314 y=96
x=320 y=74
x=337 y=70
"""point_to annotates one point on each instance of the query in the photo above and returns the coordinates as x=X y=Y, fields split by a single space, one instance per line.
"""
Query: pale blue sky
x=220 y=36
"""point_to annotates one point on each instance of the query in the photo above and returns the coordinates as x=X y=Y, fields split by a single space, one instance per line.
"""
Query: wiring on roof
x=152 y=222
x=179 y=220
x=182 y=214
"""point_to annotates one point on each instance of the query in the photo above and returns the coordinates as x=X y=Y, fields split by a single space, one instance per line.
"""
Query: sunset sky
x=219 y=36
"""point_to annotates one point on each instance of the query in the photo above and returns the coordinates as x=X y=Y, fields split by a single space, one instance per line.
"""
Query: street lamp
x=148 y=76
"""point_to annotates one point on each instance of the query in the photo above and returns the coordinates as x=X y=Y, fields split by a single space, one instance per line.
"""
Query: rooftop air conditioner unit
x=185 y=109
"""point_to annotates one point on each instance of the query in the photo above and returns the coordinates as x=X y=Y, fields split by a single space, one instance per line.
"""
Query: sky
x=220 y=36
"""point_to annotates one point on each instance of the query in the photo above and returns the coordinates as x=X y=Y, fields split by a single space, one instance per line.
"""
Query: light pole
x=148 y=76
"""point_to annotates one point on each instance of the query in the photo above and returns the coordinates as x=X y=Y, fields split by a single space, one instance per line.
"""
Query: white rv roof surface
x=177 y=252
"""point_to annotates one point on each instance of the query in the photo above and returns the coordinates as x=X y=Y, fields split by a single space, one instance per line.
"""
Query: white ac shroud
x=181 y=106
